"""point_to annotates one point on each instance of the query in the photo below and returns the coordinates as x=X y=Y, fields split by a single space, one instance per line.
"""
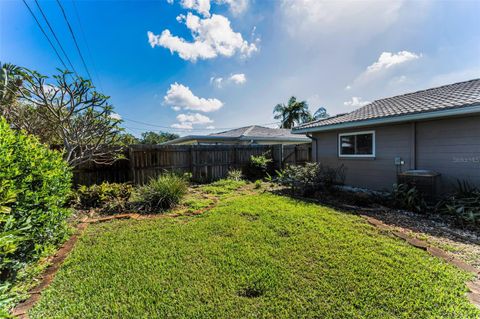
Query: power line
x=45 y=34
x=86 y=44
x=75 y=40
x=55 y=36
x=185 y=130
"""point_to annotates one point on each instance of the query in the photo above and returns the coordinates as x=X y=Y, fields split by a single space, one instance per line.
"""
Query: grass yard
x=255 y=255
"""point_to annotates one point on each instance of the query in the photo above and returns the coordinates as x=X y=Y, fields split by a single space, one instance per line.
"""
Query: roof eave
x=233 y=138
x=266 y=138
x=393 y=119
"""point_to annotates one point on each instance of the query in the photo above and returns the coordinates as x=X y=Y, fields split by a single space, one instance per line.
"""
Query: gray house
x=437 y=129
x=247 y=135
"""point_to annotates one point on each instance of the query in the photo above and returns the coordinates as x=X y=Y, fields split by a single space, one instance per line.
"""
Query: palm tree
x=321 y=113
x=294 y=113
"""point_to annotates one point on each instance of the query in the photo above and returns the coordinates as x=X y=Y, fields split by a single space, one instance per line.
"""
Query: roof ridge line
x=248 y=130
x=419 y=91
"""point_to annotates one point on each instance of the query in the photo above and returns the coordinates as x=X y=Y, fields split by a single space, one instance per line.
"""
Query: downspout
x=316 y=145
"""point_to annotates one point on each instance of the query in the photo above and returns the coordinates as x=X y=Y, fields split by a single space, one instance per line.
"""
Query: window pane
x=364 y=144
x=347 y=145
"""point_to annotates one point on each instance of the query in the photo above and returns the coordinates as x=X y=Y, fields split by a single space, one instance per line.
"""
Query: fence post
x=131 y=163
x=295 y=154
x=191 y=164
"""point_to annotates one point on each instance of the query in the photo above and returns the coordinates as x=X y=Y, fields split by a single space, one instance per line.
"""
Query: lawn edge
x=472 y=285
x=21 y=310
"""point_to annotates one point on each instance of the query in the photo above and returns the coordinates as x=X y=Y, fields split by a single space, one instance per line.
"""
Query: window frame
x=339 y=141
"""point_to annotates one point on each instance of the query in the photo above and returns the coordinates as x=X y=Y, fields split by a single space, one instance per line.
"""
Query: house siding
x=448 y=146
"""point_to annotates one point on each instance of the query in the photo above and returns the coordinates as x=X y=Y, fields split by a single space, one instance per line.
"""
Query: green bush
x=407 y=197
x=161 y=193
x=34 y=184
x=306 y=179
x=463 y=204
x=235 y=175
x=106 y=197
x=258 y=167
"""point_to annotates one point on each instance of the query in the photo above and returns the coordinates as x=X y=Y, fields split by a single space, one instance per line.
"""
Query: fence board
x=205 y=162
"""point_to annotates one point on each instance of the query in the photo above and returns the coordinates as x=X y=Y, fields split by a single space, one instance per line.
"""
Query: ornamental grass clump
x=161 y=193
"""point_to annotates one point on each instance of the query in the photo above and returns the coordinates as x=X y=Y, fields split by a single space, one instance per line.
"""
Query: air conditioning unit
x=425 y=181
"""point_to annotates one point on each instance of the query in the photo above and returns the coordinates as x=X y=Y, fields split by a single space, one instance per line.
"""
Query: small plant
x=107 y=197
x=306 y=179
x=463 y=204
x=161 y=193
x=258 y=184
x=258 y=166
x=407 y=197
x=235 y=175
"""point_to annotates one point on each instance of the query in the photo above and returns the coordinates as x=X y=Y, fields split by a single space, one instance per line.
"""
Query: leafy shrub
x=235 y=175
x=258 y=184
x=258 y=166
x=463 y=204
x=34 y=185
x=161 y=193
x=107 y=197
x=306 y=179
x=407 y=197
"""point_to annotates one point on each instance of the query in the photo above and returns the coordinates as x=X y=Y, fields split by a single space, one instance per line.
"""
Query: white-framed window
x=356 y=144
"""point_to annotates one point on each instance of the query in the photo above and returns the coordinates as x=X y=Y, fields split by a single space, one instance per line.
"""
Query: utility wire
x=86 y=44
x=45 y=34
x=74 y=40
x=197 y=129
x=55 y=36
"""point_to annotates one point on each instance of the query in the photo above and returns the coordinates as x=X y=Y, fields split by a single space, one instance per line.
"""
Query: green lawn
x=253 y=256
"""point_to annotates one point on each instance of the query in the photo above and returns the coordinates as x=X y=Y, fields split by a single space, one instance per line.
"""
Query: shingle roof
x=445 y=97
x=257 y=131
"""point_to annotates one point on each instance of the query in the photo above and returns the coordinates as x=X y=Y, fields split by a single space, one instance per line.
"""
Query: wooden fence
x=205 y=162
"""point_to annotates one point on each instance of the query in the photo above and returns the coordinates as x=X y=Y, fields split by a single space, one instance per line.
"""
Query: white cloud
x=348 y=87
x=115 y=116
x=387 y=60
x=356 y=102
x=216 y=81
x=184 y=126
x=194 y=118
x=211 y=37
x=236 y=6
x=210 y=127
x=181 y=97
x=237 y=78
x=363 y=19
x=186 y=121
x=203 y=6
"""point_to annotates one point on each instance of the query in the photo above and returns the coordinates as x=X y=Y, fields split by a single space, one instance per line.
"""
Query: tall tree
x=10 y=81
x=294 y=113
x=79 y=117
x=157 y=138
x=320 y=113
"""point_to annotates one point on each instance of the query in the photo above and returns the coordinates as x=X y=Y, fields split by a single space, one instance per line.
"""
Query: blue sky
x=198 y=66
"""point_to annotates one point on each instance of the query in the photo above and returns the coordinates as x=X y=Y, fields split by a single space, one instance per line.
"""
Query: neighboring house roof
x=247 y=133
x=447 y=100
